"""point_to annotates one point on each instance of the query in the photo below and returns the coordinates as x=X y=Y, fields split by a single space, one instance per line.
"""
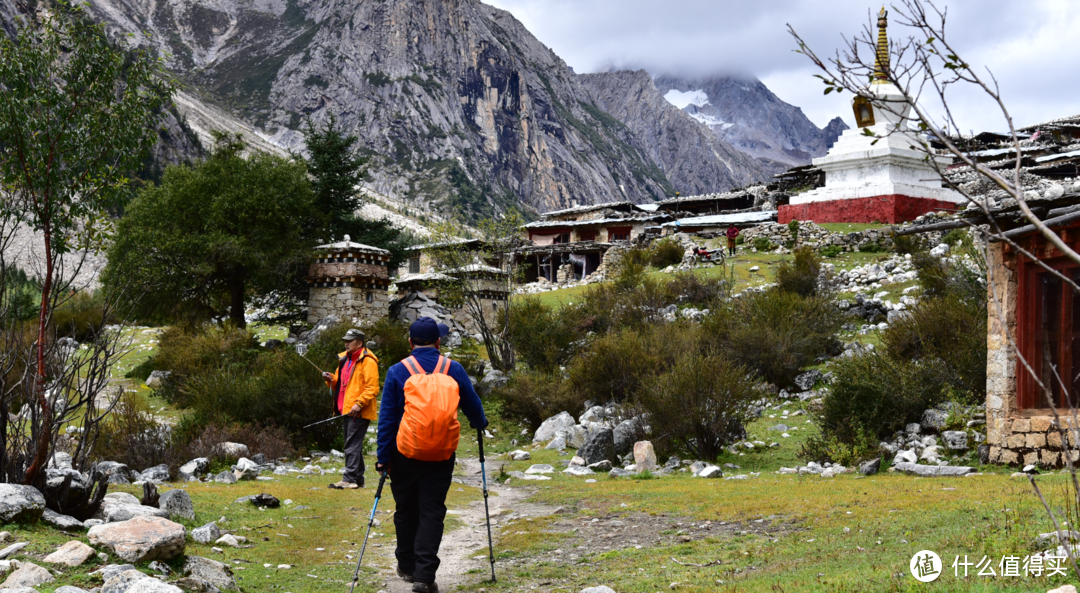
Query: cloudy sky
x=1029 y=46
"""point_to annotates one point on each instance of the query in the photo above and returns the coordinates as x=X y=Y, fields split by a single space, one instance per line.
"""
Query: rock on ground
x=225 y=477
x=869 y=468
x=561 y=421
x=21 y=504
x=933 y=470
x=644 y=456
x=28 y=575
x=711 y=471
x=69 y=589
x=121 y=498
x=624 y=435
x=73 y=553
x=178 y=504
x=955 y=440
x=600 y=446
x=206 y=534
x=158 y=473
x=61 y=521
x=230 y=451
x=600 y=589
x=140 y=539
x=1063 y=589
x=195 y=467
x=133 y=581
x=117 y=513
x=520 y=455
x=209 y=571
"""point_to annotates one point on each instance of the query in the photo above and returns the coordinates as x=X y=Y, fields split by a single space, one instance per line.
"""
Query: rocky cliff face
x=745 y=113
x=458 y=105
x=693 y=158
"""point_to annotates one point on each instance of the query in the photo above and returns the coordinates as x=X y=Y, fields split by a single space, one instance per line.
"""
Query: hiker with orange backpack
x=418 y=435
x=354 y=385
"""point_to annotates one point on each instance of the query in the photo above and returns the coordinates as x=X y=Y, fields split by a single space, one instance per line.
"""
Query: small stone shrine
x=350 y=280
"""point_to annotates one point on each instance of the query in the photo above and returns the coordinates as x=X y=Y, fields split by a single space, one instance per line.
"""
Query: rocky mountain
x=695 y=160
x=745 y=113
x=458 y=105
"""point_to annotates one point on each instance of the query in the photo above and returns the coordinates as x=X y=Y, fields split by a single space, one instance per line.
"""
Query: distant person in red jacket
x=732 y=233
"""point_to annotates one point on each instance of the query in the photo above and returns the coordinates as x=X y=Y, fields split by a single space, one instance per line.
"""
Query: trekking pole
x=371 y=521
x=301 y=349
x=487 y=514
x=323 y=421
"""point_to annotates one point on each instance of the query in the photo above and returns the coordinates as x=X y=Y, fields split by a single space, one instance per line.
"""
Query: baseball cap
x=354 y=334
x=427 y=329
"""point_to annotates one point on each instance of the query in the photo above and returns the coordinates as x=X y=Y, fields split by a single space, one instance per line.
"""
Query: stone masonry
x=350 y=280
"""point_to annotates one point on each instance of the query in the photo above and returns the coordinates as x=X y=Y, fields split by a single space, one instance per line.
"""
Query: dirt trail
x=461 y=545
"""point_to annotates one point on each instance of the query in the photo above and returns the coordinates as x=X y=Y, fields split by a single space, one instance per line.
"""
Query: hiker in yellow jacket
x=354 y=385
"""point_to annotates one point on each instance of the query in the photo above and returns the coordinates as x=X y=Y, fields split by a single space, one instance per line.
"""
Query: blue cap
x=427 y=329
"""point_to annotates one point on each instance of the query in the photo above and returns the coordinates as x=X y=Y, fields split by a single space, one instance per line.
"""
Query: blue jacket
x=393 y=399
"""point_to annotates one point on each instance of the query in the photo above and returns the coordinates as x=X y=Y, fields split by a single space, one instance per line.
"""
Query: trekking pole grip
x=480 y=441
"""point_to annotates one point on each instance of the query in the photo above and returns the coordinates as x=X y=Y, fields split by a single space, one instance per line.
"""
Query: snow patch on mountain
x=681 y=99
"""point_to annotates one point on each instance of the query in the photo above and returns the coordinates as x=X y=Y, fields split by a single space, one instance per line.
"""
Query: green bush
x=699 y=405
x=831 y=251
x=613 y=367
x=637 y=256
x=540 y=336
x=533 y=396
x=762 y=244
x=872 y=247
x=388 y=339
x=132 y=435
x=271 y=441
x=695 y=289
x=904 y=244
x=666 y=252
x=957 y=238
x=21 y=298
x=80 y=316
x=873 y=395
x=801 y=276
x=188 y=351
x=774 y=333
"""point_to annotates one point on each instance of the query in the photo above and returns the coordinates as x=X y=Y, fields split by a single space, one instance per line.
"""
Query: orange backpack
x=429 y=428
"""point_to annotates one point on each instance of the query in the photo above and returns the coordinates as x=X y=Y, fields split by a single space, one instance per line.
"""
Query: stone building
x=1042 y=315
x=350 y=280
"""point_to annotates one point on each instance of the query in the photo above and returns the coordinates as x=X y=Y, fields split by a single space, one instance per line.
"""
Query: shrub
x=948 y=329
x=132 y=435
x=801 y=276
x=699 y=405
x=872 y=247
x=539 y=335
x=740 y=239
x=774 y=333
x=637 y=256
x=872 y=396
x=533 y=396
x=613 y=367
x=187 y=351
x=904 y=244
x=832 y=251
x=80 y=316
x=762 y=244
x=957 y=238
x=271 y=441
x=666 y=252
x=21 y=296
x=388 y=339
x=696 y=289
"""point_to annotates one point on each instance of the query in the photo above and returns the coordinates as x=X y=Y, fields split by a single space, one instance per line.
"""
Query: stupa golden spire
x=881 y=59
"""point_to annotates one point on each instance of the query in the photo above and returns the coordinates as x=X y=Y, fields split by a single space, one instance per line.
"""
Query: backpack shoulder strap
x=413 y=366
x=443 y=366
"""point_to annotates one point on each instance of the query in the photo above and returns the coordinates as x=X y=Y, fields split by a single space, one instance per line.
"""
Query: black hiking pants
x=355 y=433
x=419 y=489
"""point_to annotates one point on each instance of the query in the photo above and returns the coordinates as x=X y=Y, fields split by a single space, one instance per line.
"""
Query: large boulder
x=158 y=473
x=934 y=420
x=624 y=435
x=195 y=467
x=955 y=440
x=209 y=571
x=562 y=421
x=493 y=380
x=18 y=503
x=28 y=575
x=933 y=471
x=141 y=539
x=206 y=534
x=62 y=521
x=73 y=553
x=230 y=451
x=118 y=513
x=806 y=381
x=644 y=456
x=156 y=378
x=599 y=447
x=118 y=473
x=121 y=498
x=133 y=581
x=178 y=504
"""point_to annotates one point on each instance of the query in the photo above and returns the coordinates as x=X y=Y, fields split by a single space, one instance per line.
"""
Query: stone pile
x=415 y=305
x=929 y=442
x=815 y=236
x=896 y=269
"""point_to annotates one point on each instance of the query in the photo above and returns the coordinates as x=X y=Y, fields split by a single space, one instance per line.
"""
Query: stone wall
x=1013 y=439
x=815 y=236
x=349 y=302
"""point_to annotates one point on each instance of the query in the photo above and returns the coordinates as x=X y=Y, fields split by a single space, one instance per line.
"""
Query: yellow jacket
x=363 y=385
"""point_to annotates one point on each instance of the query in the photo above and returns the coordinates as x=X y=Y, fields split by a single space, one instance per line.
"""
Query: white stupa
x=881 y=178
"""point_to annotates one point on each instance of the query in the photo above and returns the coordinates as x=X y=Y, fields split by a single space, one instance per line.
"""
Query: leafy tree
x=75 y=114
x=214 y=235
x=336 y=173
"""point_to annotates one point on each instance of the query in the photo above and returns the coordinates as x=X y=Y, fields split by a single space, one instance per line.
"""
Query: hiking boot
x=404 y=576
x=343 y=485
x=425 y=588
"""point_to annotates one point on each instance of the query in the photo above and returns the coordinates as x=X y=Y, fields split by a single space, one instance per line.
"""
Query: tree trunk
x=236 y=297
x=45 y=426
